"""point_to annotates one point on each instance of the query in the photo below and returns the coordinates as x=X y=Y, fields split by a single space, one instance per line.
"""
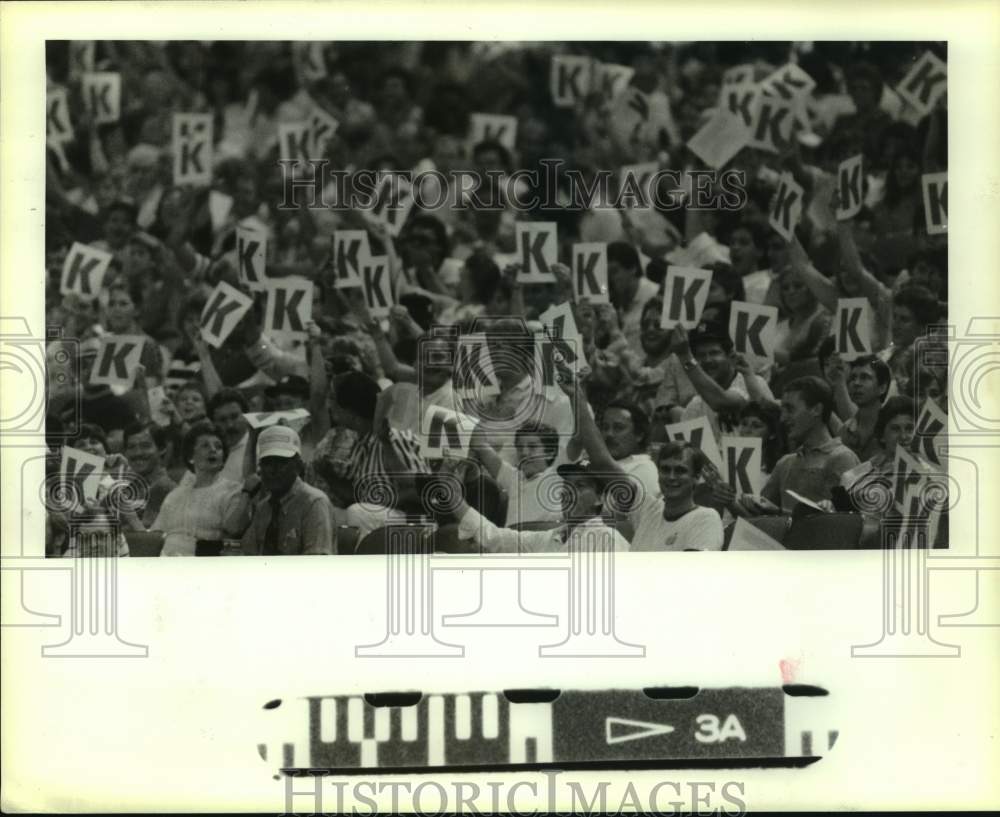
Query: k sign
x=117 y=360
x=752 y=328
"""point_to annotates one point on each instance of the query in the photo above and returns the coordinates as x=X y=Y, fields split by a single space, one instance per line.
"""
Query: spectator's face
x=436 y=363
x=530 y=454
x=190 y=405
x=91 y=445
x=904 y=326
x=488 y=159
x=906 y=172
x=777 y=252
x=655 y=339
x=106 y=191
x=245 y=195
x=207 y=456
x=580 y=498
x=862 y=386
x=797 y=418
x=713 y=358
x=898 y=431
x=420 y=247
x=121 y=311
x=142 y=454
x=117 y=228
x=794 y=293
x=228 y=418
x=676 y=478
x=752 y=426
x=743 y=253
x=622 y=282
x=618 y=431
x=864 y=95
x=138 y=260
x=277 y=474
x=285 y=401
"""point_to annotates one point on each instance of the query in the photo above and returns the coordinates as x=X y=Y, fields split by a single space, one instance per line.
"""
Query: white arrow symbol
x=638 y=729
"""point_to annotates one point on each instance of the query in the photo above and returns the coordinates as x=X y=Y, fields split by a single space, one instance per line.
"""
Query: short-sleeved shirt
x=305 y=525
x=532 y=499
x=811 y=472
x=864 y=447
x=698 y=529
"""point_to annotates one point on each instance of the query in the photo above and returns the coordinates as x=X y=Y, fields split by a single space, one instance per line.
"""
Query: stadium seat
x=347 y=539
x=375 y=542
x=825 y=531
x=143 y=543
x=775 y=526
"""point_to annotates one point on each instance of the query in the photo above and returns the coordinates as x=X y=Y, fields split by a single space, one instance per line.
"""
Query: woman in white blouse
x=194 y=512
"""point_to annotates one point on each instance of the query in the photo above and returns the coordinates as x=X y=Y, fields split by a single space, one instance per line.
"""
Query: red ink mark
x=788 y=669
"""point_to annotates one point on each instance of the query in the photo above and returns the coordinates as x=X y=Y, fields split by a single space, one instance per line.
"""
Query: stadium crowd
x=270 y=443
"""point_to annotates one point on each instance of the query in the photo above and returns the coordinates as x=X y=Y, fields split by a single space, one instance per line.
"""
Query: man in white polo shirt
x=672 y=521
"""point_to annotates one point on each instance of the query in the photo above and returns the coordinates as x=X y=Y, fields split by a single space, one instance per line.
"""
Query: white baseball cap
x=278 y=441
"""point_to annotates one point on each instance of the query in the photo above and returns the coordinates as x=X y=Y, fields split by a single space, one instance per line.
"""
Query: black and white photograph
x=678 y=296
x=623 y=360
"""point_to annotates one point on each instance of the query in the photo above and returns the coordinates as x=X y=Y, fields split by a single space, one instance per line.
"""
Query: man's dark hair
x=624 y=255
x=119 y=205
x=225 y=397
x=758 y=233
x=358 y=393
x=484 y=275
x=920 y=301
x=546 y=433
x=891 y=408
x=678 y=450
x=640 y=420
x=493 y=145
x=159 y=434
x=425 y=221
x=883 y=374
x=89 y=431
x=204 y=428
x=711 y=332
x=814 y=391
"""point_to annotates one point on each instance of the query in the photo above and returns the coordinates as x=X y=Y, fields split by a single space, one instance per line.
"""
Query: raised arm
x=850 y=260
x=319 y=386
x=823 y=289
x=716 y=397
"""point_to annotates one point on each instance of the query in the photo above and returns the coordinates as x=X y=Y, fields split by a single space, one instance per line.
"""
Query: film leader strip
x=656 y=727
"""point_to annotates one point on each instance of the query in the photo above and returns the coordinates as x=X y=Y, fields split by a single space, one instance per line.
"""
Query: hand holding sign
x=289 y=307
x=742 y=457
x=931 y=432
x=685 y=296
x=569 y=79
x=850 y=195
x=350 y=249
x=377 y=286
x=117 y=360
x=192 y=149
x=102 y=96
x=852 y=328
x=590 y=272
x=445 y=432
x=488 y=127
x=935 y=187
x=752 y=328
x=787 y=207
x=83 y=271
x=699 y=433
x=224 y=309
x=538 y=247
x=925 y=83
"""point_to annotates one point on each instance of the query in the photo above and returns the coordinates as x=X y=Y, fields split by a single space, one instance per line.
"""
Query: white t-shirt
x=530 y=500
x=698 y=529
x=189 y=514
x=643 y=470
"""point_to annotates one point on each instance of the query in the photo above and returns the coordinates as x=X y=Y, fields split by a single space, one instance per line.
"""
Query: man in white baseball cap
x=289 y=517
